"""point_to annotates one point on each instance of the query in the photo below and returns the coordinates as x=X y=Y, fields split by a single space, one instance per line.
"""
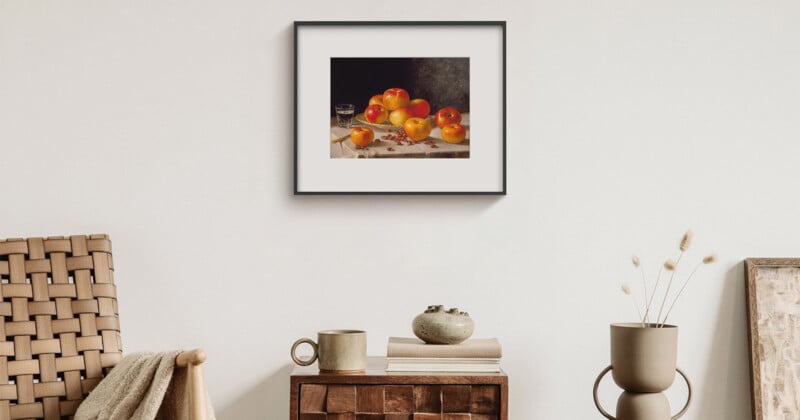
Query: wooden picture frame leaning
x=773 y=316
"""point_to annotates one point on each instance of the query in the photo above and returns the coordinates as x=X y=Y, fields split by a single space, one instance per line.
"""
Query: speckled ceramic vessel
x=437 y=326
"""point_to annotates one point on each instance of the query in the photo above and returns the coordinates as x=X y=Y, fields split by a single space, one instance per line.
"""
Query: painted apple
x=419 y=108
x=417 y=128
x=376 y=100
x=446 y=116
x=361 y=136
x=395 y=98
x=454 y=133
x=376 y=114
x=399 y=116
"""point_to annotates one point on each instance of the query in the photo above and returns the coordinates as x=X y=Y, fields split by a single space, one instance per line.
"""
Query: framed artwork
x=400 y=107
x=773 y=312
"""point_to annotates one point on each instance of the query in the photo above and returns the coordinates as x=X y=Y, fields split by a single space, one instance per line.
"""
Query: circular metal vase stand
x=610 y=417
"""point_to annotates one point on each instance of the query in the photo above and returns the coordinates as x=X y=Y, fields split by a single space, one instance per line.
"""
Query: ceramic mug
x=336 y=350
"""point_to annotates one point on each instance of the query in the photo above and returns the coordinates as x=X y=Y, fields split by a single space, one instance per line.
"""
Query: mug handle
x=610 y=417
x=300 y=361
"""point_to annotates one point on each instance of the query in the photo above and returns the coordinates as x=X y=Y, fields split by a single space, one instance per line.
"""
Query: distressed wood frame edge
x=750 y=267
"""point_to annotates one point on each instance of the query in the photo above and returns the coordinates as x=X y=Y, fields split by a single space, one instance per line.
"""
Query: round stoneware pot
x=437 y=326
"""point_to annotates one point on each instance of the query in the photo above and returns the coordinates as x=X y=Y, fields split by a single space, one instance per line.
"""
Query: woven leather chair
x=59 y=331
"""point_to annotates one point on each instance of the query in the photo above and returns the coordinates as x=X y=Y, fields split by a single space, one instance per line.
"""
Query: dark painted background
x=441 y=81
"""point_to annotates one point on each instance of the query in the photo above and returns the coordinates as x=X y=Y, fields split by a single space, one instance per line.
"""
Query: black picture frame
x=501 y=25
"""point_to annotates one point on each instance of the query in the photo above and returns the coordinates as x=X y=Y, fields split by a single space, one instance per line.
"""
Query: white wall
x=167 y=124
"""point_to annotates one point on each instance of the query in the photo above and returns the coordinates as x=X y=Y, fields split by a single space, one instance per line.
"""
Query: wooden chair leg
x=193 y=360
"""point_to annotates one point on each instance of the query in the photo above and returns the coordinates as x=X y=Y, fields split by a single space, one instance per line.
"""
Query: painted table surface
x=346 y=148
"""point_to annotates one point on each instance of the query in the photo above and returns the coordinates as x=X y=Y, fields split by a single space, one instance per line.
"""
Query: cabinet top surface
x=376 y=368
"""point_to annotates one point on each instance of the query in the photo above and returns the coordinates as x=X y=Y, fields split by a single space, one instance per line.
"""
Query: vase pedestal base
x=643 y=406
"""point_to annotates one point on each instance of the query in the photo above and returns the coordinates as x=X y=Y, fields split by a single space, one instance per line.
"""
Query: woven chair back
x=59 y=330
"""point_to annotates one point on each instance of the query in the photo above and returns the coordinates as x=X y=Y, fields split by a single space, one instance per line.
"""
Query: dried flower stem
x=649 y=295
x=710 y=259
x=637 y=264
x=652 y=295
x=679 y=292
x=644 y=283
x=627 y=290
x=638 y=311
x=669 y=285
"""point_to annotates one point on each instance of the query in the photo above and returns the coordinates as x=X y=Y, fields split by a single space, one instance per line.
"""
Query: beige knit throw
x=142 y=386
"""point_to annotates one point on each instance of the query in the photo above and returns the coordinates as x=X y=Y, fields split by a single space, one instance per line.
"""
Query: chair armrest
x=191 y=357
x=197 y=401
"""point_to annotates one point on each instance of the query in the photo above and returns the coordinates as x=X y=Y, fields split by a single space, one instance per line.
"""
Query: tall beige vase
x=643 y=363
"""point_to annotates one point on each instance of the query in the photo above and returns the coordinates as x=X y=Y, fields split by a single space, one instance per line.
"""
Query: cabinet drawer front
x=399 y=402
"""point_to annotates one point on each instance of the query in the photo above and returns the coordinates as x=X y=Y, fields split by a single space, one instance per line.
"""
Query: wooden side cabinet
x=378 y=395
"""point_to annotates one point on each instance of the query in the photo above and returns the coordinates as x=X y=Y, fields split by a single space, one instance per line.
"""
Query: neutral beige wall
x=167 y=124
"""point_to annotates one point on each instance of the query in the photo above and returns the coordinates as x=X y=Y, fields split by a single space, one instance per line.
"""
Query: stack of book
x=413 y=355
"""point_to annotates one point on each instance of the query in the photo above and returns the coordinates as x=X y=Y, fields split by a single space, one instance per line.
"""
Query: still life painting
x=426 y=117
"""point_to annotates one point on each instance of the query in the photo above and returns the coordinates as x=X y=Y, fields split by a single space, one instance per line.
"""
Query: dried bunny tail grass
x=670 y=266
x=707 y=260
x=686 y=240
x=638 y=264
x=649 y=303
x=627 y=290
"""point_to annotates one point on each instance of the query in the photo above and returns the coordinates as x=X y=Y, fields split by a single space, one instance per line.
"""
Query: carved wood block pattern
x=398 y=399
x=312 y=400
x=485 y=399
x=428 y=399
x=775 y=330
x=397 y=416
x=427 y=416
x=370 y=399
x=341 y=399
x=456 y=398
x=370 y=416
x=399 y=402
x=450 y=416
x=313 y=416
x=59 y=329
x=341 y=416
